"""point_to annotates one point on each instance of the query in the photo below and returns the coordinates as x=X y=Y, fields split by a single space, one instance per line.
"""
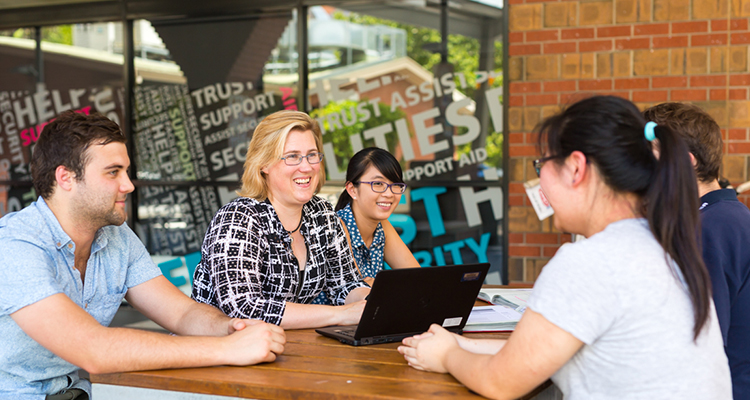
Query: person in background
x=69 y=259
x=269 y=253
x=625 y=314
x=725 y=233
x=374 y=185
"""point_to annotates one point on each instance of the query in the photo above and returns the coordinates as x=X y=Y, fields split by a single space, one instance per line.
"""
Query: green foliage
x=463 y=51
x=62 y=34
x=340 y=137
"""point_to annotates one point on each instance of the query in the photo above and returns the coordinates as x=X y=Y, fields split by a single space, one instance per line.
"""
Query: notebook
x=405 y=302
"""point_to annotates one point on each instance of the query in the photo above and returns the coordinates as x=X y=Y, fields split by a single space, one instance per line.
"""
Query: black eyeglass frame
x=539 y=163
x=387 y=186
x=317 y=153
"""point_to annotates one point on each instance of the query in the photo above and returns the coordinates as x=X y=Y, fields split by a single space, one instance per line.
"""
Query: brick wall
x=648 y=51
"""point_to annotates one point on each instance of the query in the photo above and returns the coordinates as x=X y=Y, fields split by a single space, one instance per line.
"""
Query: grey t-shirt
x=616 y=293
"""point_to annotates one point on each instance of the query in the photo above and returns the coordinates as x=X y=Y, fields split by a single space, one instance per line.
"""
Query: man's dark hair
x=701 y=133
x=65 y=141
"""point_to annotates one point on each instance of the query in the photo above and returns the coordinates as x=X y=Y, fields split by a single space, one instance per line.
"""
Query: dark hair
x=701 y=133
x=609 y=131
x=64 y=141
x=381 y=159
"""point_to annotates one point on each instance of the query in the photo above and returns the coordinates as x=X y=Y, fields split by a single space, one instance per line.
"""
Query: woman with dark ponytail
x=626 y=313
x=374 y=185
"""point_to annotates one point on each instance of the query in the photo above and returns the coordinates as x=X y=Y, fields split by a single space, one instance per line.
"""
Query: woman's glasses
x=381 y=187
x=539 y=163
x=296 y=159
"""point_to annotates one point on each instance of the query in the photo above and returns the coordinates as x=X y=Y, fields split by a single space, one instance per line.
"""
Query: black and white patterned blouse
x=247 y=267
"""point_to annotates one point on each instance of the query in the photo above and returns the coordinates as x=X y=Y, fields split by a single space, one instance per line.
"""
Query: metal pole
x=39 y=56
x=128 y=54
x=302 y=80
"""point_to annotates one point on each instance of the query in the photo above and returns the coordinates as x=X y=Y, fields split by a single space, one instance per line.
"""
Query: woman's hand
x=427 y=351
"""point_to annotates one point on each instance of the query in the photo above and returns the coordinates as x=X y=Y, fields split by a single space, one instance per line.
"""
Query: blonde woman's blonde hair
x=267 y=147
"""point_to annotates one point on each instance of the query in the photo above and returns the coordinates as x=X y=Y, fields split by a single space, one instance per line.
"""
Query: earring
x=354 y=198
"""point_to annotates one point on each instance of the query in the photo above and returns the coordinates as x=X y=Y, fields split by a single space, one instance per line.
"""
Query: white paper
x=492 y=314
x=538 y=199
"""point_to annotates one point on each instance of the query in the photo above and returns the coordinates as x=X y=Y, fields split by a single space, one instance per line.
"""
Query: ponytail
x=671 y=206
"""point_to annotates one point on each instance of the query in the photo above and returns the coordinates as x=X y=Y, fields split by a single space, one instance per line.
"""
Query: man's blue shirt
x=37 y=261
x=725 y=234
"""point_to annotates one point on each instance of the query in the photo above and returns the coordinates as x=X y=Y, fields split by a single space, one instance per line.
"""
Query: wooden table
x=312 y=367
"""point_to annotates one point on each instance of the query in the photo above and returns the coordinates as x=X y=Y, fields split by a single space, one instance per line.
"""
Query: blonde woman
x=272 y=251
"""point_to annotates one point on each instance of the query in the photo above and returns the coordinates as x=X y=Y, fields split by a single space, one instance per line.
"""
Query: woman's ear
x=578 y=166
x=351 y=190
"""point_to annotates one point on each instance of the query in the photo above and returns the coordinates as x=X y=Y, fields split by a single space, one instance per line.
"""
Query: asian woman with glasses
x=269 y=253
x=374 y=186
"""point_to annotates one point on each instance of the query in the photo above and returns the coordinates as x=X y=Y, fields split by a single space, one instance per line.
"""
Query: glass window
x=69 y=74
x=201 y=88
x=385 y=85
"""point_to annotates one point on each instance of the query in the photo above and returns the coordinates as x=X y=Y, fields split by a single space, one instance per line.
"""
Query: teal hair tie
x=649 y=130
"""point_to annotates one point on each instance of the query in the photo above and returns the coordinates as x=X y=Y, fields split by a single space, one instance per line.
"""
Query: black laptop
x=405 y=302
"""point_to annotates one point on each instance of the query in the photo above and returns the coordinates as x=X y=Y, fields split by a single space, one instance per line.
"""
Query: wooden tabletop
x=312 y=367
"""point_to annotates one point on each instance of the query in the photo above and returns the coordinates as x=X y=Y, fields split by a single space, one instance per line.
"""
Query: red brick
x=632 y=43
x=631 y=83
x=738 y=148
x=741 y=38
x=525 y=87
x=651 y=29
x=560 y=86
x=737 y=94
x=515 y=238
x=524 y=251
x=543 y=238
x=650 y=96
x=515 y=138
x=541 y=36
x=565 y=238
x=541 y=99
x=515 y=37
x=524 y=150
x=550 y=251
x=739 y=80
x=737 y=134
x=594 y=45
x=557 y=48
x=516 y=187
x=739 y=24
x=516 y=1
x=595 y=84
x=689 y=95
x=532 y=137
x=690 y=27
x=670 y=41
x=709 y=40
x=612 y=31
x=708 y=80
x=524 y=49
x=577 y=33
x=718 y=25
x=717 y=94
x=570 y=98
x=515 y=200
x=516 y=101
x=665 y=82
